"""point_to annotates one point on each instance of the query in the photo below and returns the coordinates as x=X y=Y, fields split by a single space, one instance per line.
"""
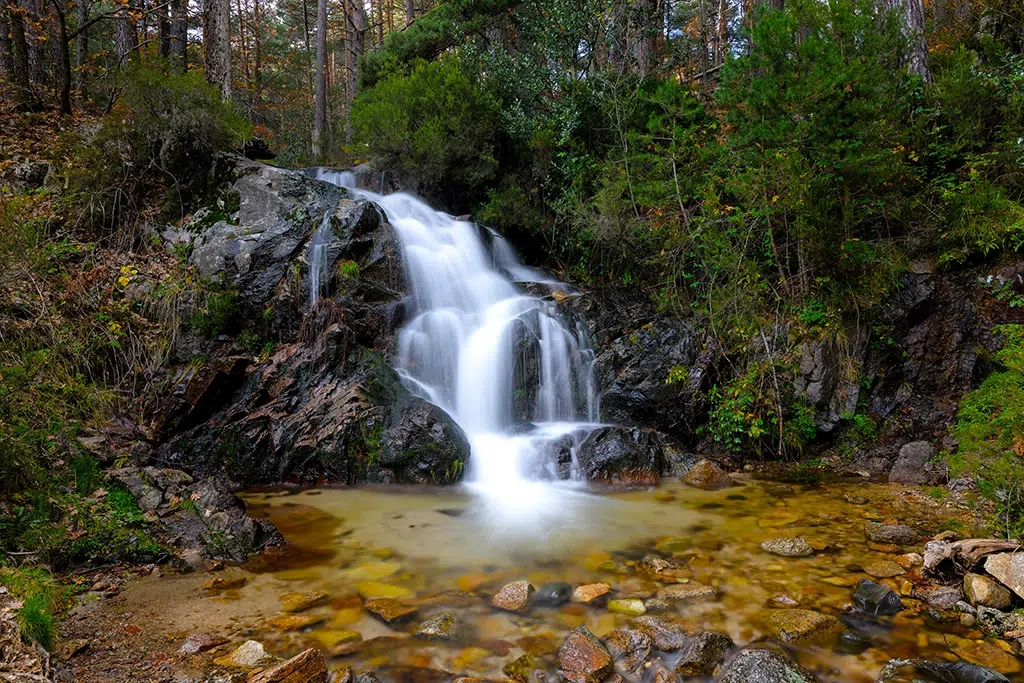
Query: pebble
x=513 y=597
x=788 y=547
x=590 y=592
x=300 y=602
x=632 y=606
x=388 y=610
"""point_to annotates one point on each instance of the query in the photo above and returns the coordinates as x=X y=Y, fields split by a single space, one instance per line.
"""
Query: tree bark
x=320 y=106
x=62 y=58
x=163 y=31
x=19 y=43
x=410 y=12
x=257 y=50
x=912 y=12
x=126 y=35
x=6 y=52
x=217 y=45
x=36 y=56
x=179 y=34
x=645 y=37
x=355 y=37
x=82 y=49
x=618 y=51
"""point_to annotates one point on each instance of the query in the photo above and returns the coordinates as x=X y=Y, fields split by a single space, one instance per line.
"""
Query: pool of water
x=445 y=550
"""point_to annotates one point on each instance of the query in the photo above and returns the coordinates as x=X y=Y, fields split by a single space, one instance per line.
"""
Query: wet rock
x=981 y=590
x=294 y=622
x=513 y=597
x=332 y=639
x=702 y=653
x=851 y=643
x=783 y=600
x=519 y=669
x=800 y=625
x=912 y=465
x=824 y=383
x=876 y=599
x=995 y=623
x=582 y=658
x=388 y=609
x=590 y=592
x=667 y=635
x=959 y=672
x=662 y=674
x=553 y=594
x=788 y=547
x=249 y=655
x=634 y=607
x=764 y=666
x=300 y=602
x=897 y=534
x=662 y=569
x=621 y=454
x=420 y=444
x=377 y=589
x=708 y=476
x=1008 y=568
x=884 y=569
x=693 y=591
x=441 y=627
x=630 y=649
x=306 y=667
x=941 y=597
x=910 y=560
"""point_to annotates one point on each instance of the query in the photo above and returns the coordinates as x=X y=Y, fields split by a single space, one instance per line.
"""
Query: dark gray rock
x=702 y=653
x=896 y=534
x=876 y=599
x=630 y=649
x=420 y=444
x=946 y=672
x=622 y=455
x=913 y=464
x=666 y=634
x=824 y=379
x=764 y=666
x=552 y=594
x=27 y=174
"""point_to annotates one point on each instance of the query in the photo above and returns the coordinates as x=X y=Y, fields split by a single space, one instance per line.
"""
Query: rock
x=676 y=462
x=621 y=454
x=910 y=560
x=708 y=476
x=884 y=569
x=702 y=653
x=800 y=625
x=28 y=174
x=582 y=658
x=910 y=465
x=553 y=594
x=306 y=667
x=1008 y=568
x=441 y=627
x=249 y=655
x=960 y=672
x=420 y=444
x=981 y=590
x=661 y=569
x=630 y=649
x=783 y=600
x=897 y=534
x=377 y=589
x=513 y=597
x=590 y=592
x=662 y=674
x=67 y=649
x=634 y=607
x=388 y=609
x=876 y=599
x=764 y=666
x=687 y=592
x=995 y=623
x=824 y=381
x=941 y=597
x=300 y=602
x=788 y=547
x=294 y=622
x=667 y=635
x=520 y=669
x=332 y=639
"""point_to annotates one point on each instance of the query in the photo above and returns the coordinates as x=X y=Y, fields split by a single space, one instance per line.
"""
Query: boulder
x=420 y=443
x=702 y=653
x=582 y=658
x=913 y=464
x=708 y=476
x=876 y=599
x=825 y=380
x=981 y=590
x=788 y=547
x=1008 y=568
x=248 y=655
x=306 y=667
x=667 y=635
x=553 y=594
x=895 y=534
x=590 y=592
x=620 y=454
x=800 y=625
x=513 y=597
x=630 y=649
x=764 y=666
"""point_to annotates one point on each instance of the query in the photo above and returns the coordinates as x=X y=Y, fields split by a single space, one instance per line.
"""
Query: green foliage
x=86 y=472
x=159 y=146
x=222 y=314
x=990 y=431
x=433 y=125
x=42 y=596
x=348 y=269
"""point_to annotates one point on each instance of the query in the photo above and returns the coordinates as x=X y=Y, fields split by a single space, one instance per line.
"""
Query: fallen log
x=960 y=557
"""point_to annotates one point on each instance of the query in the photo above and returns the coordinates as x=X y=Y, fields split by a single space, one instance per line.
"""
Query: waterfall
x=509 y=367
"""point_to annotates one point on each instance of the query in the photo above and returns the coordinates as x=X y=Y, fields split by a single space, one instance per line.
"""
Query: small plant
x=348 y=269
x=36 y=622
x=86 y=471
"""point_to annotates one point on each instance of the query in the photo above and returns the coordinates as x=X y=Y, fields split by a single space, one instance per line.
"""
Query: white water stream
x=476 y=345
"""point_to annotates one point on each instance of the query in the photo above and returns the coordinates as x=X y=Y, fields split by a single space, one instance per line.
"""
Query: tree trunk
x=618 y=51
x=912 y=12
x=320 y=106
x=22 y=86
x=179 y=34
x=163 y=30
x=126 y=36
x=62 y=58
x=410 y=12
x=355 y=37
x=645 y=37
x=380 y=22
x=217 y=45
x=6 y=53
x=257 y=50
x=82 y=50
x=36 y=56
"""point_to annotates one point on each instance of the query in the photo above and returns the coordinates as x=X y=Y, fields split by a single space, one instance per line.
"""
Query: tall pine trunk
x=355 y=38
x=179 y=34
x=912 y=16
x=217 y=45
x=23 y=92
x=163 y=30
x=320 y=106
x=410 y=12
x=126 y=35
x=82 y=50
x=61 y=57
x=6 y=53
x=36 y=54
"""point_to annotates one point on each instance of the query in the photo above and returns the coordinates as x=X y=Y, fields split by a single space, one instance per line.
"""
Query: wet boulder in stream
x=876 y=599
x=621 y=454
x=764 y=666
x=420 y=443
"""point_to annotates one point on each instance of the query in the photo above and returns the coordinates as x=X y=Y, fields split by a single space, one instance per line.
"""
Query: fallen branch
x=963 y=556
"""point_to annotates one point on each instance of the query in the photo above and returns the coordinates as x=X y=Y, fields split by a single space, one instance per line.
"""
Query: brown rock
x=981 y=590
x=293 y=622
x=800 y=625
x=630 y=649
x=702 y=653
x=217 y=584
x=662 y=569
x=583 y=658
x=200 y=642
x=590 y=592
x=884 y=569
x=300 y=602
x=388 y=610
x=69 y=648
x=894 y=534
x=513 y=597
x=667 y=635
x=1009 y=569
x=688 y=592
x=306 y=667
x=707 y=475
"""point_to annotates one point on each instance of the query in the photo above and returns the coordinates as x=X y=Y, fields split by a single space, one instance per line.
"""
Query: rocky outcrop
x=621 y=455
x=196 y=515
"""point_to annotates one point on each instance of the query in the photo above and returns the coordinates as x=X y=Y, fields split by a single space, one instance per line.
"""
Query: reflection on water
x=451 y=551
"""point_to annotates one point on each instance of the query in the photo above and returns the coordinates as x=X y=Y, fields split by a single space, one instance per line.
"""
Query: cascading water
x=479 y=347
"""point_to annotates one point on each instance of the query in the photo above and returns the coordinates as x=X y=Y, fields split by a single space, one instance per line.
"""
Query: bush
x=435 y=127
x=157 y=149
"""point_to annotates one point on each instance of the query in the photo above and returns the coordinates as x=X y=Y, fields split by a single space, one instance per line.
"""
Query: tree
x=6 y=49
x=355 y=19
x=126 y=35
x=320 y=106
x=82 y=49
x=217 y=45
x=410 y=12
x=164 y=30
x=179 y=34
x=22 y=87
x=913 y=28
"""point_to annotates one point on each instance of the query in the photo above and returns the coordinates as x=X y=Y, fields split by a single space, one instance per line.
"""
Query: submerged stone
x=702 y=653
x=667 y=635
x=553 y=594
x=896 y=534
x=582 y=658
x=388 y=610
x=630 y=648
x=332 y=638
x=707 y=475
x=687 y=592
x=876 y=599
x=788 y=547
x=634 y=607
x=441 y=627
x=884 y=569
x=800 y=625
x=294 y=622
x=376 y=589
x=662 y=569
x=299 y=602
